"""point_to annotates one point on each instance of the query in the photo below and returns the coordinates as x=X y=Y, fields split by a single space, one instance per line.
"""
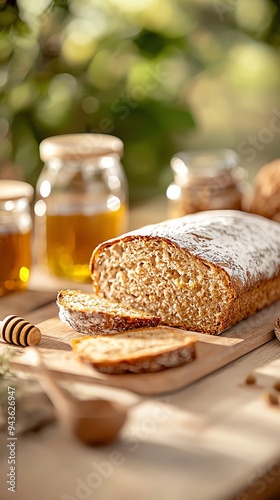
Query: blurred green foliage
x=122 y=67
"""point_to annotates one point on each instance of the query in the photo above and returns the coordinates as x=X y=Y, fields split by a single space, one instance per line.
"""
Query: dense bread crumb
x=203 y=272
x=87 y=313
x=163 y=286
x=143 y=350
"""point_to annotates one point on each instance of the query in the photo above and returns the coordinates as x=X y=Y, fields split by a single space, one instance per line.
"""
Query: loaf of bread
x=203 y=272
x=137 y=351
x=266 y=196
x=90 y=314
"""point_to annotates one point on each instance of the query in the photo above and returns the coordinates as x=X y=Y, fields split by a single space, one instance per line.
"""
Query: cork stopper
x=79 y=146
x=18 y=331
x=207 y=167
x=14 y=190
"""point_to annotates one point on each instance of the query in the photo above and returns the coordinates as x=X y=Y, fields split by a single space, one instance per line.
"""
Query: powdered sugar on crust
x=87 y=313
x=244 y=245
x=84 y=322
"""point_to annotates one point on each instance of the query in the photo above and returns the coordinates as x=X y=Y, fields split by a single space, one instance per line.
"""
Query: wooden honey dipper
x=18 y=331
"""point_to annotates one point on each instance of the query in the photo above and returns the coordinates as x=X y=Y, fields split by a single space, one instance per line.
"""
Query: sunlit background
x=163 y=75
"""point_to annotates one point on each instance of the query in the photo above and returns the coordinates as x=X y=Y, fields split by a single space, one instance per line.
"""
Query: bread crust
x=242 y=247
x=261 y=295
x=83 y=313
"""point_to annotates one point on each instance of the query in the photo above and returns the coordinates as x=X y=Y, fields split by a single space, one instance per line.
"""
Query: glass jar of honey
x=15 y=235
x=81 y=200
x=206 y=180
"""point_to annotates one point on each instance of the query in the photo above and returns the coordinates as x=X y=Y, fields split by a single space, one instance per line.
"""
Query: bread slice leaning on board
x=203 y=272
x=87 y=313
x=136 y=351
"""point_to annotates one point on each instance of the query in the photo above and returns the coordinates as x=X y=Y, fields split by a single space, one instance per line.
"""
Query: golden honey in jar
x=206 y=180
x=71 y=239
x=81 y=200
x=15 y=235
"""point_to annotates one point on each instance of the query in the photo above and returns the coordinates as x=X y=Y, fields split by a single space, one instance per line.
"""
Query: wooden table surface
x=217 y=439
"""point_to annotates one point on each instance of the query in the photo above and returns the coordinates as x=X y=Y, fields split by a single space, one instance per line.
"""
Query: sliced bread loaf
x=137 y=351
x=93 y=315
x=203 y=272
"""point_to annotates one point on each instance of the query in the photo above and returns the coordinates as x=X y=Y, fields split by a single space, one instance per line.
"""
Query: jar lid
x=204 y=166
x=78 y=146
x=13 y=190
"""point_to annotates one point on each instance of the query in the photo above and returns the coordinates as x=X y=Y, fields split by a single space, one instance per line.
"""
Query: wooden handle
x=18 y=331
x=60 y=397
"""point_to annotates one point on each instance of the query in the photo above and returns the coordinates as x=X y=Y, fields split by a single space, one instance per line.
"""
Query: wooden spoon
x=93 y=421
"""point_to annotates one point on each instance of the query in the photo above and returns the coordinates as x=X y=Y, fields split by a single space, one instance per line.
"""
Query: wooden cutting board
x=213 y=352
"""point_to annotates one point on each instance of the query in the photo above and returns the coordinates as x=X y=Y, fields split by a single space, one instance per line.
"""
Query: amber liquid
x=72 y=238
x=15 y=261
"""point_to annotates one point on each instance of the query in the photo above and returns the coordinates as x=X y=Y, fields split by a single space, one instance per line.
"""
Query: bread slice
x=203 y=272
x=93 y=315
x=137 y=351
